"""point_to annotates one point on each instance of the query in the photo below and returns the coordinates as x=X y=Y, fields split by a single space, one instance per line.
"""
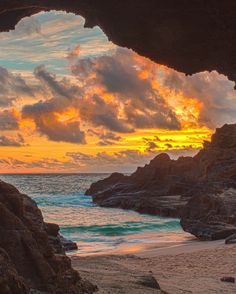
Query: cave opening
x=73 y=101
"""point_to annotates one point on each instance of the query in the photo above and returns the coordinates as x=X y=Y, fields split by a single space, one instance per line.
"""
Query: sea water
x=96 y=230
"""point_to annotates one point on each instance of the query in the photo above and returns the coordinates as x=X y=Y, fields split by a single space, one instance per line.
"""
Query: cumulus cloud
x=64 y=95
x=27 y=26
x=8 y=121
x=117 y=94
x=214 y=92
x=48 y=124
x=122 y=92
x=45 y=113
x=120 y=74
x=96 y=111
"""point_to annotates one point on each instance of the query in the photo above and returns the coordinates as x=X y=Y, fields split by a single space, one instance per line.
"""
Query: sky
x=72 y=101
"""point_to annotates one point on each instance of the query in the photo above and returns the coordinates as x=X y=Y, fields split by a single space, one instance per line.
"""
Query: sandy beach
x=195 y=267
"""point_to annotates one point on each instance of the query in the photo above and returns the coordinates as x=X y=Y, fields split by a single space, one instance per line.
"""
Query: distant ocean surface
x=96 y=230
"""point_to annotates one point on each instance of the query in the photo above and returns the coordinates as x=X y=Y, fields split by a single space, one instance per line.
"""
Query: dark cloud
x=119 y=74
x=44 y=107
x=116 y=93
x=11 y=142
x=11 y=87
x=106 y=138
x=168 y=145
x=61 y=132
x=135 y=105
x=47 y=123
x=151 y=146
x=44 y=113
x=58 y=88
x=156 y=138
x=164 y=119
x=104 y=114
x=8 y=121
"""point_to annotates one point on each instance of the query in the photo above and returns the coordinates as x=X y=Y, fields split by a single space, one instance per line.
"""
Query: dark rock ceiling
x=187 y=35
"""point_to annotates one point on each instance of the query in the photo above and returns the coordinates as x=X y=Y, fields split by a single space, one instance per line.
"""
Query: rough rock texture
x=200 y=189
x=28 y=259
x=58 y=242
x=190 y=36
x=211 y=217
x=10 y=281
x=231 y=239
x=155 y=189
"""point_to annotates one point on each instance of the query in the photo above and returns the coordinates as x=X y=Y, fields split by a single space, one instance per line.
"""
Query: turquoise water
x=96 y=230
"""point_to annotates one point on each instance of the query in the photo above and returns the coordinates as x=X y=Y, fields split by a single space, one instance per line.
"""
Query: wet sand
x=194 y=267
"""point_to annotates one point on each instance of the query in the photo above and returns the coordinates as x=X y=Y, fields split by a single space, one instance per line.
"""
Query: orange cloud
x=112 y=102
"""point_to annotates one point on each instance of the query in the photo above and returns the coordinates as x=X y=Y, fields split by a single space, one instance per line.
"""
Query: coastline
x=193 y=267
x=151 y=241
x=177 y=265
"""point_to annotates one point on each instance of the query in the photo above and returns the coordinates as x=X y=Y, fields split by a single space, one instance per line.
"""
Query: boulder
x=29 y=260
x=68 y=245
x=149 y=281
x=211 y=217
x=231 y=239
x=228 y=279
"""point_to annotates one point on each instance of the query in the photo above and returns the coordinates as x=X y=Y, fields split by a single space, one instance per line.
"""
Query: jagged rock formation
x=200 y=189
x=190 y=36
x=29 y=261
x=155 y=189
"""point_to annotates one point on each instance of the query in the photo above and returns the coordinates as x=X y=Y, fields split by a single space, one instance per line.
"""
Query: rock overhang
x=190 y=37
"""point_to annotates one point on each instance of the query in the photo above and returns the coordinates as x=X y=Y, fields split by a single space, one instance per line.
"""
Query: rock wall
x=28 y=260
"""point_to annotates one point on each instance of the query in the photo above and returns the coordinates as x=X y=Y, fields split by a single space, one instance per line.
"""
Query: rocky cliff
x=201 y=190
x=32 y=259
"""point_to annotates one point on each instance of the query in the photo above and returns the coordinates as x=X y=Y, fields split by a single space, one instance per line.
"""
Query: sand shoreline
x=193 y=267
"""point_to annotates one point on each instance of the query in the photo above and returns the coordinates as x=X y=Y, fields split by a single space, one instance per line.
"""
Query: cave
x=190 y=37
x=194 y=41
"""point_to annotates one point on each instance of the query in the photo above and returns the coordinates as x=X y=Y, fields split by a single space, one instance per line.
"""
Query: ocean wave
x=95 y=229
x=124 y=228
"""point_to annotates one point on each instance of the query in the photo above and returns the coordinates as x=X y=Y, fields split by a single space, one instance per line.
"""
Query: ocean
x=96 y=230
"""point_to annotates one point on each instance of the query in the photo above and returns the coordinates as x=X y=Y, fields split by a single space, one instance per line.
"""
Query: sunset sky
x=71 y=101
